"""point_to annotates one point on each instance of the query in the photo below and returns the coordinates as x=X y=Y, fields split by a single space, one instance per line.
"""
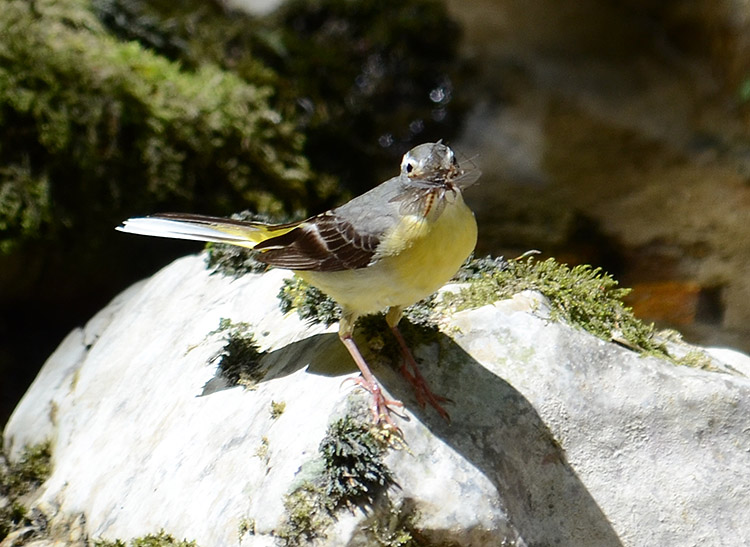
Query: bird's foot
x=414 y=377
x=423 y=392
x=381 y=407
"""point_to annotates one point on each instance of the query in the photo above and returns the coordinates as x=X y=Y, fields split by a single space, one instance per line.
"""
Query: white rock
x=556 y=436
x=253 y=7
x=734 y=360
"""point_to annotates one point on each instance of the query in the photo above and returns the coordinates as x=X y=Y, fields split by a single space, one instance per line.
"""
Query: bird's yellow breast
x=415 y=258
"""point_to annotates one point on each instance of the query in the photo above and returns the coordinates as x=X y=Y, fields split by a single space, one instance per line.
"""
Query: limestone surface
x=556 y=437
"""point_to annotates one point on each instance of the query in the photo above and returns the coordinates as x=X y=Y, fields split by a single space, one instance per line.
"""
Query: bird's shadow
x=493 y=426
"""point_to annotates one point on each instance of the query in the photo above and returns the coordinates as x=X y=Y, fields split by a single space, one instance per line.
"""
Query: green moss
x=240 y=358
x=423 y=314
x=231 y=260
x=25 y=204
x=96 y=128
x=234 y=261
x=191 y=32
x=246 y=527
x=262 y=450
x=419 y=324
x=348 y=72
x=380 y=340
x=162 y=539
x=277 y=409
x=474 y=269
x=583 y=296
x=18 y=479
x=352 y=475
x=12 y=517
x=29 y=472
x=696 y=359
x=310 y=302
x=307 y=517
x=353 y=459
x=392 y=529
x=313 y=305
x=401 y=537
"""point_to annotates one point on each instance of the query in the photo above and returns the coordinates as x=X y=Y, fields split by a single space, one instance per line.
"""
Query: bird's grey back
x=375 y=211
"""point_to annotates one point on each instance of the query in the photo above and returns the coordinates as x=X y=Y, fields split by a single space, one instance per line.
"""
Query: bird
x=382 y=251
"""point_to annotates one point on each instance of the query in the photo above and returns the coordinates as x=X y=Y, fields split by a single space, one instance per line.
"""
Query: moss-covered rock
x=350 y=472
x=18 y=479
x=96 y=128
x=583 y=296
x=162 y=539
x=310 y=302
x=239 y=360
x=365 y=80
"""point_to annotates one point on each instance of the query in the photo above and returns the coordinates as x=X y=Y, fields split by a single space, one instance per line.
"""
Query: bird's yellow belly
x=425 y=256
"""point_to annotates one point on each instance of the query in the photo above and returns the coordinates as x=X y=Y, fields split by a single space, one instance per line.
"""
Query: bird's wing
x=346 y=238
x=325 y=243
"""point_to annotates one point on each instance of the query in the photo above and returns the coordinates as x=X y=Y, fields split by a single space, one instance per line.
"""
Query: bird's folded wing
x=325 y=243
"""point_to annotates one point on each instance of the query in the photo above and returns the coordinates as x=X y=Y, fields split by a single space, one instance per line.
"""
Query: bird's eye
x=409 y=167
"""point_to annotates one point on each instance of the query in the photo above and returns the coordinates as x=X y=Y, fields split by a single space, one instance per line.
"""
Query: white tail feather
x=179 y=229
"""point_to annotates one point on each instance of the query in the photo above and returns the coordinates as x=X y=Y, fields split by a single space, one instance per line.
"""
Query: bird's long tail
x=205 y=228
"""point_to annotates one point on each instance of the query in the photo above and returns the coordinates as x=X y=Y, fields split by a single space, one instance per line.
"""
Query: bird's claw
x=423 y=393
x=381 y=408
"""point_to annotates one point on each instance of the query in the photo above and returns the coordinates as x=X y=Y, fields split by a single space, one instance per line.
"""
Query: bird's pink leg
x=381 y=410
x=415 y=378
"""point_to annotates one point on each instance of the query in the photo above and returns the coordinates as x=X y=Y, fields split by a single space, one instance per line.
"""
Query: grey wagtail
x=386 y=249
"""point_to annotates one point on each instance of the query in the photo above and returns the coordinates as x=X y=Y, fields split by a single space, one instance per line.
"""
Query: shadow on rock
x=493 y=426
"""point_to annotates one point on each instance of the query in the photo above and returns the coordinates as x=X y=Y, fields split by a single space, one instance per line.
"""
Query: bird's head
x=435 y=164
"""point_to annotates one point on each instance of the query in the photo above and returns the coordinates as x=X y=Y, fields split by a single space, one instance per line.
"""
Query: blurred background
x=609 y=132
